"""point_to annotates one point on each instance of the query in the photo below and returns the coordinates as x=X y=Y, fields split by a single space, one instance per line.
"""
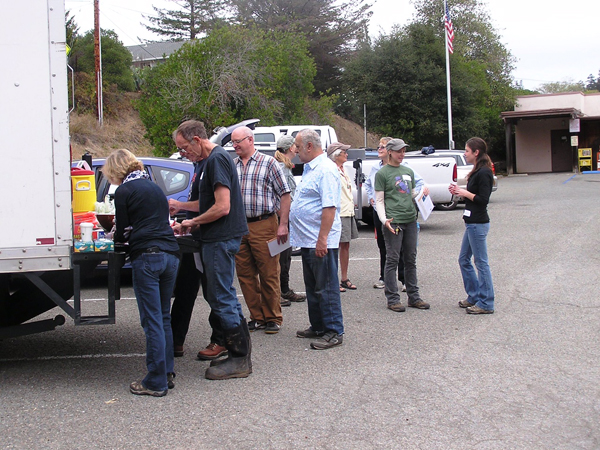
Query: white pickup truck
x=437 y=174
x=463 y=170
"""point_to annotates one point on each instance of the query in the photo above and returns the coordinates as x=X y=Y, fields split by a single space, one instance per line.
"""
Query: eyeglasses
x=239 y=141
x=188 y=145
x=381 y=147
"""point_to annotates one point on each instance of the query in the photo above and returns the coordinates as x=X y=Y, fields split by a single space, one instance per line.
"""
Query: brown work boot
x=397 y=307
x=292 y=296
x=465 y=303
x=178 y=351
x=212 y=351
x=419 y=304
x=477 y=310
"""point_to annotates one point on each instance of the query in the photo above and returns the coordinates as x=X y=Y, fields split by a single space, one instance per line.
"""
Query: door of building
x=562 y=153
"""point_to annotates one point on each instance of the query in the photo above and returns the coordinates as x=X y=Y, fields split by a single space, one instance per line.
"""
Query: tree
x=331 y=27
x=593 y=84
x=476 y=40
x=72 y=33
x=475 y=37
x=401 y=78
x=232 y=74
x=72 y=29
x=194 y=18
x=116 y=59
x=561 y=86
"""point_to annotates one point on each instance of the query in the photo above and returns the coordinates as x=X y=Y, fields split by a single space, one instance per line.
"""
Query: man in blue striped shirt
x=315 y=226
x=266 y=195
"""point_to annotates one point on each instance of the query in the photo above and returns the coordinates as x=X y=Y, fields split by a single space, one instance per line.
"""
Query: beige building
x=545 y=132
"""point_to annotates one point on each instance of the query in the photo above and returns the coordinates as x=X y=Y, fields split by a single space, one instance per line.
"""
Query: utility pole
x=98 y=61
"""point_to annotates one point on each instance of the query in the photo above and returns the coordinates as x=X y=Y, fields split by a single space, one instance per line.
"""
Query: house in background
x=544 y=132
x=152 y=53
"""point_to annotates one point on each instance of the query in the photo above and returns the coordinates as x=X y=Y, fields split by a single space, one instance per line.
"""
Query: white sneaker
x=380 y=284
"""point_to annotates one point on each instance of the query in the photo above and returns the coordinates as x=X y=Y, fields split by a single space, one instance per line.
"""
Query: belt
x=257 y=218
x=152 y=250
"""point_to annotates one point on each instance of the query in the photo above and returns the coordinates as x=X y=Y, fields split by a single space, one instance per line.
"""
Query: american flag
x=449 y=29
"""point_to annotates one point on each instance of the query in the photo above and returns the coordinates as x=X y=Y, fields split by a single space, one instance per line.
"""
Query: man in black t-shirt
x=222 y=223
x=191 y=275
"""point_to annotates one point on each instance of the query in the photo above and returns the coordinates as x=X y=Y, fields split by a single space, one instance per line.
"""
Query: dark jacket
x=480 y=183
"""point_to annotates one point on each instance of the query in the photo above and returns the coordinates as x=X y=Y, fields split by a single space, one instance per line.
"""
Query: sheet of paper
x=425 y=205
x=198 y=262
x=275 y=248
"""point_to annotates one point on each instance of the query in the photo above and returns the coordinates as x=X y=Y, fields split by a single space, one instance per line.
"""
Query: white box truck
x=38 y=269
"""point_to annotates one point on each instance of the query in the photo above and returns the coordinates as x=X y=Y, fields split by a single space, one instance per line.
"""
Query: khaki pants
x=258 y=272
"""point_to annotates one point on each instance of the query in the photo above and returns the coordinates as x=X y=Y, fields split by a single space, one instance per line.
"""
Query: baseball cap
x=334 y=146
x=396 y=145
x=285 y=142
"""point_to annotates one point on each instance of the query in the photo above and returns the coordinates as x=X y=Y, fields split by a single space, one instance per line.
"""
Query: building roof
x=512 y=116
x=153 y=51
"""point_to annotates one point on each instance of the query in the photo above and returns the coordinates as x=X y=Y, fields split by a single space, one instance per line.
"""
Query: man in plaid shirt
x=266 y=197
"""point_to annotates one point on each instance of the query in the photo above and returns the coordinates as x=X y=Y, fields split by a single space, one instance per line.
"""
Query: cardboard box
x=83 y=247
x=104 y=245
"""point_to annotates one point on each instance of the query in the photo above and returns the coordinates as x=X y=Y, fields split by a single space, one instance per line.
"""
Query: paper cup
x=86 y=231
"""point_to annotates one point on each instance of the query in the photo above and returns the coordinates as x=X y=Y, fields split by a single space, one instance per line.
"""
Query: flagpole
x=448 y=90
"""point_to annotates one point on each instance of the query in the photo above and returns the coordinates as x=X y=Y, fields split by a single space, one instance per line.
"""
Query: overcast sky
x=552 y=40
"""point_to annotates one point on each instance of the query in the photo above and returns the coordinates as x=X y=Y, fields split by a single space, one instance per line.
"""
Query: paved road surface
x=526 y=377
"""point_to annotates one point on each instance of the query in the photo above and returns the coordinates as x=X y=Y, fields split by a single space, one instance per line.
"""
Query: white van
x=327 y=133
x=265 y=138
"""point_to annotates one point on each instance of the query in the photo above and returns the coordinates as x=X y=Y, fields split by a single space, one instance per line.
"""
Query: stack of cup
x=86 y=231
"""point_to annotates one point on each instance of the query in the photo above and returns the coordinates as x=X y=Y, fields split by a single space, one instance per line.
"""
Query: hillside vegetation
x=124 y=129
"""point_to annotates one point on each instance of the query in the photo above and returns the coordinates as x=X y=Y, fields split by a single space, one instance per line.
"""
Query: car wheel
x=446 y=206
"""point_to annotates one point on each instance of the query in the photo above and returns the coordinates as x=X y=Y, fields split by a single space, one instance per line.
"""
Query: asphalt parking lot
x=526 y=377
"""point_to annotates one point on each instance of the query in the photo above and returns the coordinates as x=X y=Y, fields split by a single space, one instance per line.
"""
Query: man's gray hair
x=189 y=129
x=309 y=135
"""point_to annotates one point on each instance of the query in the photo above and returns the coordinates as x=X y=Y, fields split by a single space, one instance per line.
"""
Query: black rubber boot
x=218 y=362
x=238 y=364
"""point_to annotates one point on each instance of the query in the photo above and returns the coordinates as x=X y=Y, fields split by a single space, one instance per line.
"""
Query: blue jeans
x=323 y=290
x=479 y=287
x=154 y=277
x=403 y=244
x=218 y=259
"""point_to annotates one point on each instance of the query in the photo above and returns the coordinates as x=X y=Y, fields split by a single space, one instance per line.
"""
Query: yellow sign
x=68 y=49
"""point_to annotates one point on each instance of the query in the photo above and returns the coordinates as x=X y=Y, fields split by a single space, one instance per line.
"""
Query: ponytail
x=483 y=159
